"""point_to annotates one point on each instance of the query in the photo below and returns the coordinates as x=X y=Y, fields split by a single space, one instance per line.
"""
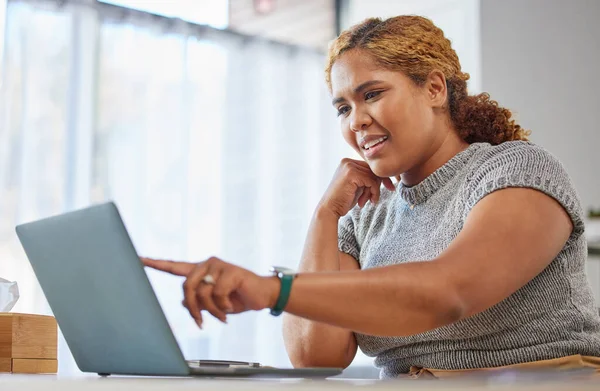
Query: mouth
x=373 y=146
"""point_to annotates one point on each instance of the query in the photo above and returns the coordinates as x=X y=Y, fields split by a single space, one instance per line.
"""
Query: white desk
x=93 y=383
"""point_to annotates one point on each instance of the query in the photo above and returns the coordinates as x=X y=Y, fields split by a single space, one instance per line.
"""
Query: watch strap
x=284 y=293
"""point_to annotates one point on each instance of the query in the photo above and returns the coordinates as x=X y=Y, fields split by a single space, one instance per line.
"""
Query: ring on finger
x=209 y=279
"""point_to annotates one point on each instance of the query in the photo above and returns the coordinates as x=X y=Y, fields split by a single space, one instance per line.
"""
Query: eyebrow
x=357 y=90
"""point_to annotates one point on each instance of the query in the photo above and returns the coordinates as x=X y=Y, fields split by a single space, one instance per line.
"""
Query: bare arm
x=310 y=343
x=509 y=237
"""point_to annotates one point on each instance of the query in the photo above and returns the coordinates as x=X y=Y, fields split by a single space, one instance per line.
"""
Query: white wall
x=541 y=59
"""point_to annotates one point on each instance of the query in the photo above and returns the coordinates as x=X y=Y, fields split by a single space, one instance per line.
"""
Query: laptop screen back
x=99 y=293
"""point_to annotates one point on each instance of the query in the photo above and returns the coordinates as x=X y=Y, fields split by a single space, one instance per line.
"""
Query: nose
x=359 y=120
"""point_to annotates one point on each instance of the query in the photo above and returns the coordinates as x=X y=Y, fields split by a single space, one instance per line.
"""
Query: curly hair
x=415 y=46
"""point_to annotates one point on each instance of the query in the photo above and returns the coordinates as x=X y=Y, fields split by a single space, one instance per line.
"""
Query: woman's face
x=389 y=120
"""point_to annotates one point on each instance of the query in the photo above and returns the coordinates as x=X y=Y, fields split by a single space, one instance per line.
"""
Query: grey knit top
x=554 y=315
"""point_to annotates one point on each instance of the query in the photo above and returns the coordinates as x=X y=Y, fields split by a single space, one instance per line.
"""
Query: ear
x=436 y=90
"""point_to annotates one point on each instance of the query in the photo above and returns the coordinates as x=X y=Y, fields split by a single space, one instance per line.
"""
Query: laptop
x=105 y=306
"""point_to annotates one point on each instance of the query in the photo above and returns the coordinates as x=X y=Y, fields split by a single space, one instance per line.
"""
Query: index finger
x=387 y=182
x=361 y=163
x=172 y=267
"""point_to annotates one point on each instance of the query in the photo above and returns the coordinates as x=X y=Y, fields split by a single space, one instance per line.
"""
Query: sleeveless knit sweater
x=554 y=315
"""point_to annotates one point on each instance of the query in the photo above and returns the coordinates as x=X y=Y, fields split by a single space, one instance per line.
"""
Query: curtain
x=209 y=142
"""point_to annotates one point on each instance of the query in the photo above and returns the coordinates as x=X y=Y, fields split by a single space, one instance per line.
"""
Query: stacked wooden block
x=28 y=343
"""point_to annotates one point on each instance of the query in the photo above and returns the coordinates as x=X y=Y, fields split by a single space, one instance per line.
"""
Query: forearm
x=320 y=253
x=396 y=300
x=311 y=343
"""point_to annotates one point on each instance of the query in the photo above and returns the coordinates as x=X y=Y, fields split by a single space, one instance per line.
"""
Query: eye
x=372 y=94
x=342 y=110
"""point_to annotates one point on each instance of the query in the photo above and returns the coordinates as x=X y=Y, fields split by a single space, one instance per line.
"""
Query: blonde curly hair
x=415 y=46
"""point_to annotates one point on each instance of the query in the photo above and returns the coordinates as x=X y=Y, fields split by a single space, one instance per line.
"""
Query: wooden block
x=5 y=365
x=28 y=337
x=5 y=336
x=34 y=365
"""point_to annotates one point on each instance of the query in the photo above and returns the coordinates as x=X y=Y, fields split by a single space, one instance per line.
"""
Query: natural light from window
x=214 y=13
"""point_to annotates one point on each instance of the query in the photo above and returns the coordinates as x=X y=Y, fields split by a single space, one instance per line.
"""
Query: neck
x=446 y=150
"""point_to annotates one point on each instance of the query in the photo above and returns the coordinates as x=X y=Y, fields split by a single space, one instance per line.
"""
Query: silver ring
x=208 y=279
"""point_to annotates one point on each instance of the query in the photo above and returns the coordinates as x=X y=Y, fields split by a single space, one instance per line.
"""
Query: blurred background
x=209 y=124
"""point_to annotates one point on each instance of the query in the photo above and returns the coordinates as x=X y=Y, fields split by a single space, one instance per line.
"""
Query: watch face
x=282 y=270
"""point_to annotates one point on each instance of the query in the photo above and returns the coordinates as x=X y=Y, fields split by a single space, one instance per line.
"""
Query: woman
x=474 y=260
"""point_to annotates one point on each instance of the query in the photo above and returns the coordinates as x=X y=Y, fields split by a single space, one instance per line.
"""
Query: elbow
x=450 y=308
x=308 y=348
x=443 y=297
x=318 y=361
x=306 y=361
x=439 y=306
x=307 y=355
x=455 y=310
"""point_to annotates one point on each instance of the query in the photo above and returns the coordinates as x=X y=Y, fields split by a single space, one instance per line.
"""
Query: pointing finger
x=172 y=267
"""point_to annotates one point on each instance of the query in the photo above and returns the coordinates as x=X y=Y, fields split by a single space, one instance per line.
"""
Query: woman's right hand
x=353 y=183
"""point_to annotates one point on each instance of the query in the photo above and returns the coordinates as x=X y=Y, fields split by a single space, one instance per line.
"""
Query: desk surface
x=52 y=382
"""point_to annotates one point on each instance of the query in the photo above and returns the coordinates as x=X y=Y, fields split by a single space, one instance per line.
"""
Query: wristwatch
x=286 y=277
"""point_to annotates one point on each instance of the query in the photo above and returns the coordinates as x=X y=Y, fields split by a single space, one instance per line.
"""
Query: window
x=214 y=13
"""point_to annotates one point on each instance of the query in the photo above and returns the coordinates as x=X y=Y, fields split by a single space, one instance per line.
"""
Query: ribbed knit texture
x=554 y=315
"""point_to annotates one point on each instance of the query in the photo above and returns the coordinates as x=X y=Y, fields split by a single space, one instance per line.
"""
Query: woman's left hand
x=219 y=287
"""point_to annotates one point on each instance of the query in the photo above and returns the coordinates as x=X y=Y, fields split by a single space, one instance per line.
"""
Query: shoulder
x=511 y=153
x=526 y=165
x=517 y=163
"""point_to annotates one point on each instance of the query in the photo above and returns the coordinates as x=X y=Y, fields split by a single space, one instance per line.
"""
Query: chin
x=383 y=170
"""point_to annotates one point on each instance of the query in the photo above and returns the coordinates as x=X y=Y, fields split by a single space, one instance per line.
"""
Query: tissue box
x=28 y=343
